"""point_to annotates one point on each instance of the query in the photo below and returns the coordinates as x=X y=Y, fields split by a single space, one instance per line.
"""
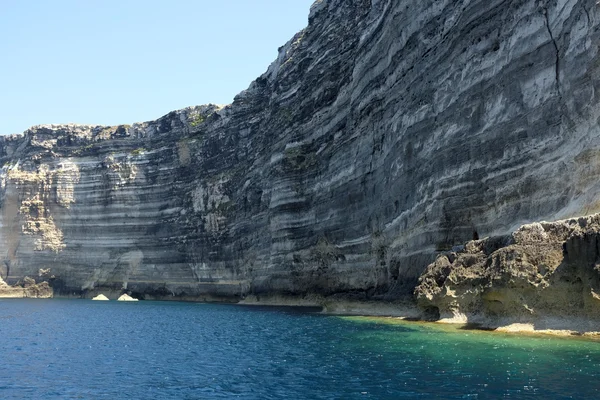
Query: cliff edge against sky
x=385 y=133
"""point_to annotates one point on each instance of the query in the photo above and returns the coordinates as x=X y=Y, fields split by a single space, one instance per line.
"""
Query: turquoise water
x=79 y=349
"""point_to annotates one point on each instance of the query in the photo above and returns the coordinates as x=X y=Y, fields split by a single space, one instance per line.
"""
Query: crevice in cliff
x=587 y=13
x=557 y=62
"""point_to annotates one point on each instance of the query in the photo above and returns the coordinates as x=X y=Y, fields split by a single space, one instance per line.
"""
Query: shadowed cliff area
x=386 y=132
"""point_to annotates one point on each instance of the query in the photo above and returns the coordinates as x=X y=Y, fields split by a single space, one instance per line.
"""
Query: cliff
x=385 y=132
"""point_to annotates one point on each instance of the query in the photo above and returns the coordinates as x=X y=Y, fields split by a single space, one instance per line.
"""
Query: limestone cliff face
x=385 y=132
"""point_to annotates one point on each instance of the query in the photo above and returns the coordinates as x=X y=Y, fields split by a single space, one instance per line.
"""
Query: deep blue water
x=79 y=349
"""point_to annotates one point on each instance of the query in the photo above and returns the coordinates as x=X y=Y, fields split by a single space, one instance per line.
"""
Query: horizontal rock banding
x=384 y=133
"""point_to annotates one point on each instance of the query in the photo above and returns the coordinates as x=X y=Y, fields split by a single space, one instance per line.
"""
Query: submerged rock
x=100 y=297
x=126 y=297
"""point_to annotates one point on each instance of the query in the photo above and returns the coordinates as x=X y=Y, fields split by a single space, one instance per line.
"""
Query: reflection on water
x=74 y=349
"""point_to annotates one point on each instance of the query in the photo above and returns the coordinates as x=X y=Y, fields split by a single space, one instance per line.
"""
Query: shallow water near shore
x=79 y=349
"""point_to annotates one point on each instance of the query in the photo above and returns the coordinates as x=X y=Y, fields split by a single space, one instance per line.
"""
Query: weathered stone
x=126 y=297
x=28 y=288
x=544 y=271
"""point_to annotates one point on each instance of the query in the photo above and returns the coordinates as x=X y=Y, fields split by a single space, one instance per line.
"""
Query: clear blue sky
x=121 y=61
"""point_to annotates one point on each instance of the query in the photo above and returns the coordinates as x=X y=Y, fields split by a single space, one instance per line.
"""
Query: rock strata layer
x=26 y=288
x=386 y=131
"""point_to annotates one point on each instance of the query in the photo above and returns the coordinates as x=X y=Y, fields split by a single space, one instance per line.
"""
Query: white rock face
x=100 y=297
x=126 y=297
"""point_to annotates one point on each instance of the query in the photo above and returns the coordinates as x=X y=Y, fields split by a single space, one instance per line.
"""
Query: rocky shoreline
x=564 y=326
x=28 y=288
x=542 y=278
x=406 y=311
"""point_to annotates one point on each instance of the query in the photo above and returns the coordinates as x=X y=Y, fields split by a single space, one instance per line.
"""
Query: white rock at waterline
x=126 y=297
x=101 y=297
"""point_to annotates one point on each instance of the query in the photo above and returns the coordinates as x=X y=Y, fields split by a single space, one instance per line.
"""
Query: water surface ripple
x=79 y=349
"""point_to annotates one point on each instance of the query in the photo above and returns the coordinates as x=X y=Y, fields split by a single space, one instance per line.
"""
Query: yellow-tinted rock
x=545 y=274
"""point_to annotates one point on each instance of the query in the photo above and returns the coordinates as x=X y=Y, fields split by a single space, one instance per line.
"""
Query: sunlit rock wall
x=385 y=132
x=544 y=273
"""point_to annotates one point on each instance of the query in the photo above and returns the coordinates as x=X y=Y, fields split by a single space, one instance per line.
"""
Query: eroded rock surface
x=544 y=272
x=385 y=132
x=26 y=288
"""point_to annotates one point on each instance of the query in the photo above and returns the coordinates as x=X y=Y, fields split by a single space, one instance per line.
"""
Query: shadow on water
x=472 y=326
x=286 y=309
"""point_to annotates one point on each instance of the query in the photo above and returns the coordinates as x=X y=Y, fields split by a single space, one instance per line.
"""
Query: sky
x=113 y=62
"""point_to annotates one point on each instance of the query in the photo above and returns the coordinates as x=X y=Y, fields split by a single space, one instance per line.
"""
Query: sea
x=82 y=349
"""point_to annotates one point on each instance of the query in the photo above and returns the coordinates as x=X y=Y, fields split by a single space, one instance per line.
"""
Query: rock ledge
x=544 y=274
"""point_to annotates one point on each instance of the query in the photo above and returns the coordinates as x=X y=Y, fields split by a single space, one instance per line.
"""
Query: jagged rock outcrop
x=26 y=288
x=9 y=291
x=543 y=272
x=385 y=132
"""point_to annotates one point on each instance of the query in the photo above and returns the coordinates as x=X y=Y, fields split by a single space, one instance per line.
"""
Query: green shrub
x=197 y=120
